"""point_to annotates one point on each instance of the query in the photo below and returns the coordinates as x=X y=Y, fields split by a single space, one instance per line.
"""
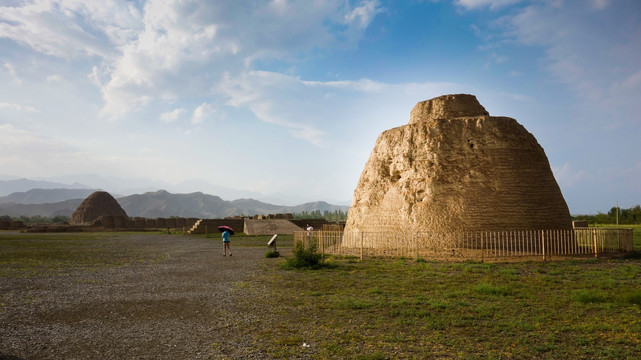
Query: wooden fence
x=480 y=245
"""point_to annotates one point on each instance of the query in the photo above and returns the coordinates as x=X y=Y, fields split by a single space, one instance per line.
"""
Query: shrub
x=304 y=258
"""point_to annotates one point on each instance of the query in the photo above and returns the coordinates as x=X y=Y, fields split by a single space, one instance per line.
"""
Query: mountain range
x=63 y=202
x=119 y=187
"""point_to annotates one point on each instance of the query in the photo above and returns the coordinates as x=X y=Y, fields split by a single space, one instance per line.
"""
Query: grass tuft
x=633 y=297
x=489 y=289
x=589 y=296
x=272 y=254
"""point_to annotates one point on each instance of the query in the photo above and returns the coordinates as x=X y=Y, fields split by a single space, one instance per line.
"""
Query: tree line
x=629 y=216
x=36 y=219
x=336 y=215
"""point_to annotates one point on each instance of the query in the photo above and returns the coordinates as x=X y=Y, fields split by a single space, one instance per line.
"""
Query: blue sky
x=283 y=100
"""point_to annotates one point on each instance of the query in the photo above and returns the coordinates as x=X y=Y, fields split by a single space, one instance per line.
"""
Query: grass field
x=59 y=253
x=404 y=309
x=399 y=308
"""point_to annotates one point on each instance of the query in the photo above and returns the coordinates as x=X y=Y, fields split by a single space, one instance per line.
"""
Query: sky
x=283 y=100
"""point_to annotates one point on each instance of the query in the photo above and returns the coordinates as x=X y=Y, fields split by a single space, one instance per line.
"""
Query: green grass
x=404 y=309
x=24 y=255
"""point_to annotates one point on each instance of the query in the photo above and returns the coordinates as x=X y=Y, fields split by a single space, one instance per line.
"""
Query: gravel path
x=179 y=306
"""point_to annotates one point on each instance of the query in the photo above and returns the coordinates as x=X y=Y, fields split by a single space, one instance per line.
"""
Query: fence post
x=596 y=249
x=482 y=247
x=543 y=243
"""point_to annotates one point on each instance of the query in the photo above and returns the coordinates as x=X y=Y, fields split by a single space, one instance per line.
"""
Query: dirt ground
x=180 y=306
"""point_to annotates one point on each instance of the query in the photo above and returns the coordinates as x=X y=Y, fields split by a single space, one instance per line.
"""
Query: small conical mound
x=98 y=204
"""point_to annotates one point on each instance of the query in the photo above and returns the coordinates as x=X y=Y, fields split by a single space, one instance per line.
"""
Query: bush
x=304 y=258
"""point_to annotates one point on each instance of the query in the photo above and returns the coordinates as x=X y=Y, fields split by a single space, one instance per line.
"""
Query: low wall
x=12 y=225
x=208 y=226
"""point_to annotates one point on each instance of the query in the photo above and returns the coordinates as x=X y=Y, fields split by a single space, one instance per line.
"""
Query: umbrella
x=226 y=228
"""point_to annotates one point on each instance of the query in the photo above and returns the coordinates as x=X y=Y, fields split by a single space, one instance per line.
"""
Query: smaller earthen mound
x=98 y=204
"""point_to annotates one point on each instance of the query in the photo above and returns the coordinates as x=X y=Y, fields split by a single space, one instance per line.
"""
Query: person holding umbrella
x=227 y=231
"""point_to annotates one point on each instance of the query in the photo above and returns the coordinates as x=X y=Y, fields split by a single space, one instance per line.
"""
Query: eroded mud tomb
x=454 y=167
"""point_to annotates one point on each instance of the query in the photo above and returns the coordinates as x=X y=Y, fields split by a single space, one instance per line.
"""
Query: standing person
x=226 y=246
x=309 y=229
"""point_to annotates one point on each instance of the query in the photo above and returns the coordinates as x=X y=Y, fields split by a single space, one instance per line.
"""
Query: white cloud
x=164 y=49
x=18 y=107
x=185 y=44
x=305 y=110
x=54 y=78
x=172 y=116
x=201 y=113
x=281 y=100
x=30 y=154
x=477 y=4
x=364 y=14
x=23 y=149
x=600 y=4
x=568 y=177
x=11 y=70
x=69 y=29
x=632 y=82
x=580 y=46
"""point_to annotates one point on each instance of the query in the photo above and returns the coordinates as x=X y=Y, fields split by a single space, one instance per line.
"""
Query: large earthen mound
x=456 y=168
x=98 y=204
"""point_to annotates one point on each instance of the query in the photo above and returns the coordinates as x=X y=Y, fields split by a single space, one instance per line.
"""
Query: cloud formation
x=170 y=48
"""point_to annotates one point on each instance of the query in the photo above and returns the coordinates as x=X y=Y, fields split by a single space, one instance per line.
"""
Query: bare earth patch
x=176 y=302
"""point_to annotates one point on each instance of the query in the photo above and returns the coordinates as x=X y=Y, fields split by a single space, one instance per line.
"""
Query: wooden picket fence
x=479 y=245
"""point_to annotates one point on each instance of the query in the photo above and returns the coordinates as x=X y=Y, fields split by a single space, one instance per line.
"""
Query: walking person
x=227 y=231
x=226 y=246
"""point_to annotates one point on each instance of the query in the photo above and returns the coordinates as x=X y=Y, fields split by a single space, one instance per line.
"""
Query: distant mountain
x=21 y=185
x=129 y=186
x=63 y=208
x=44 y=196
x=164 y=204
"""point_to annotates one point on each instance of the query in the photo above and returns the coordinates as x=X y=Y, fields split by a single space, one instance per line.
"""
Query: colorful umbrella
x=224 y=228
